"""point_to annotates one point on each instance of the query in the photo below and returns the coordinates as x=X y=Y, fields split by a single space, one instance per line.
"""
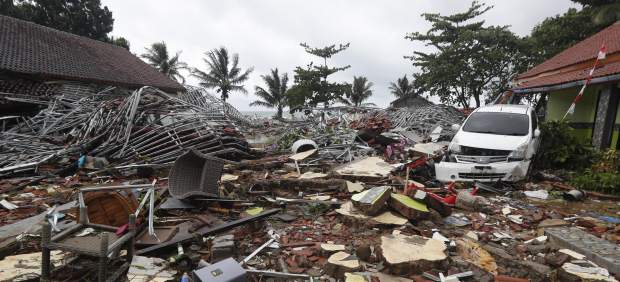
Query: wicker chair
x=195 y=174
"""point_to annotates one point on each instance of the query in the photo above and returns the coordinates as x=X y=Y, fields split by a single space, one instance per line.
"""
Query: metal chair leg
x=103 y=258
x=132 y=241
x=46 y=235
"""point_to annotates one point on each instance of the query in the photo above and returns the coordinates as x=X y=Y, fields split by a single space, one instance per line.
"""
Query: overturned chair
x=195 y=174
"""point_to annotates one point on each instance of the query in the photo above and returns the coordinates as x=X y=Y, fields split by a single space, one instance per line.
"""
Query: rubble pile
x=421 y=120
x=335 y=200
x=147 y=127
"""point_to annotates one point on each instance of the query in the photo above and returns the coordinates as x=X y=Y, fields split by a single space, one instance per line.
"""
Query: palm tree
x=275 y=95
x=157 y=56
x=402 y=88
x=224 y=74
x=359 y=91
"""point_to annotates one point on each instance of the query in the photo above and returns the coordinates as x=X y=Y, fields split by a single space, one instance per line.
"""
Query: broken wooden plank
x=208 y=231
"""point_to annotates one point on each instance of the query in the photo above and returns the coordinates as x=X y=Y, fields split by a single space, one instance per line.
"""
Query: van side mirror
x=536 y=133
x=455 y=127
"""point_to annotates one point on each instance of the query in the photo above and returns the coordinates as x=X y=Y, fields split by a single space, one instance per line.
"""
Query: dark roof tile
x=33 y=49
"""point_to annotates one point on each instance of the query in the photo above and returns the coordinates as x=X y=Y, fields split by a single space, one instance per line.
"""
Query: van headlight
x=518 y=154
x=454 y=148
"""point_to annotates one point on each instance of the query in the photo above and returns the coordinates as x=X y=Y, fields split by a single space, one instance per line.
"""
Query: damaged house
x=37 y=63
x=596 y=116
x=64 y=97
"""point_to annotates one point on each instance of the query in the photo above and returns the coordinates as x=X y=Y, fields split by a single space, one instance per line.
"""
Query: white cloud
x=267 y=33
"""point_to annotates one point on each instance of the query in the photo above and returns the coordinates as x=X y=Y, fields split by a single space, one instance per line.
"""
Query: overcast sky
x=267 y=33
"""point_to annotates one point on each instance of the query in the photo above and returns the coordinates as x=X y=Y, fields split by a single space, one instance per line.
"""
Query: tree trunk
x=477 y=98
x=279 y=114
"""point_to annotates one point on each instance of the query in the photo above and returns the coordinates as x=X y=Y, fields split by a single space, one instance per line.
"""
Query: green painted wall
x=559 y=101
x=585 y=111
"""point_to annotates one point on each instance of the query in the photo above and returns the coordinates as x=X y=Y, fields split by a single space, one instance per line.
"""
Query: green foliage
x=604 y=12
x=402 y=88
x=275 y=96
x=609 y=161
x=224 y=73
x=82 y=17
x=604 y=182
x=604 y=176
x=157 y=56
x=560 y=149
x=554 y=34
x=359 y=92
x=120 y=41
x=470 y=61
x=311 y=85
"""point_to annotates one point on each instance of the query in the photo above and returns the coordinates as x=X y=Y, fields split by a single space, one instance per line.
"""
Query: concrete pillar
x=605 y=116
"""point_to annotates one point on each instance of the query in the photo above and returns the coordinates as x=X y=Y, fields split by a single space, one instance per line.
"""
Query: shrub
x=560 y=149
x=604 y=182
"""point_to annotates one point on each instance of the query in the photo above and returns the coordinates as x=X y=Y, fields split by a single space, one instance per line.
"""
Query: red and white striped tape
x=601 y=56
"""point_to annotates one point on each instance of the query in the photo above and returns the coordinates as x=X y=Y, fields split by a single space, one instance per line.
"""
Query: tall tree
x=275 y=94
x=311 y=85
x=82 y=17
x=224 y=73
x=359 y=92
x=158 y=57
x=402 y=88
x=470 y=60
x=554 y=34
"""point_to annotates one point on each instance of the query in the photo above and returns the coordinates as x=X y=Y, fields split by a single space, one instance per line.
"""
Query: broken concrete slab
x=355 y=187
x=26 y=266
x=408 y=207
x=368 y=167
x=332 y=248
x=588 y=271
x=143 y=269
x=373 y=200
x=602 y=252
x=411 y=254
x=387 y=217
x=340 y=263
x=354 y=277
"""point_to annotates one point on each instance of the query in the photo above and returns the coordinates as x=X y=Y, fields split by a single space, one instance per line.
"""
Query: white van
x=496 y=142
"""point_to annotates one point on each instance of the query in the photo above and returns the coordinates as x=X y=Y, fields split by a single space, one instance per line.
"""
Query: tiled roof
x=32 y=49
x=572 y=63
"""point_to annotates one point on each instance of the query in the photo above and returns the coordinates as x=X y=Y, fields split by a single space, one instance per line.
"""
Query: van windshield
x=498 y=123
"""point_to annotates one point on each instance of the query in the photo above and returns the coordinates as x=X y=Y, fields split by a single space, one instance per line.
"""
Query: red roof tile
x=581 y=74
x=550 y=71
x=47 y=53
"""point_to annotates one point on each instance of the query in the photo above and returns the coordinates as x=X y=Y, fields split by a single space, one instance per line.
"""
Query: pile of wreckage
x=146 y=128
x=154 y=187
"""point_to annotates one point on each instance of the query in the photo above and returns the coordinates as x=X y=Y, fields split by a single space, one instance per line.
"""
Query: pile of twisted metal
x=146 y=127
